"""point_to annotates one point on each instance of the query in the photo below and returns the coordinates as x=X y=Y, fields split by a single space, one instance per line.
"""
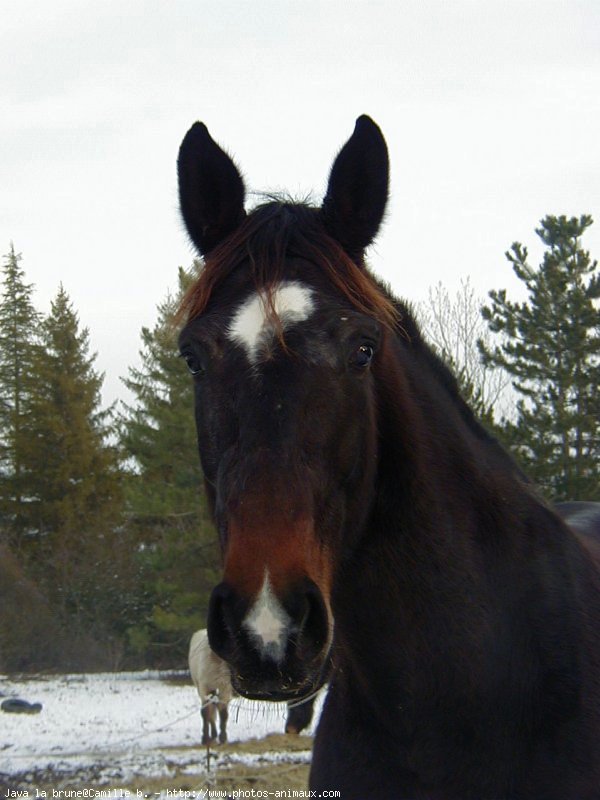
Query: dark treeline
x=107 y=555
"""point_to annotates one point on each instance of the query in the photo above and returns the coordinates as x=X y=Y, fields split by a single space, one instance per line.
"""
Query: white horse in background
x=212 y=680
x=210 y=675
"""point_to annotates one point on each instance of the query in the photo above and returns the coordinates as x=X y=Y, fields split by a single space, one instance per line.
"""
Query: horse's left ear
x=211 y=190
x=357 y=192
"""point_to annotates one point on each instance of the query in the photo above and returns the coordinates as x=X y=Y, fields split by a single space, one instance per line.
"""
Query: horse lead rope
x=303 y=700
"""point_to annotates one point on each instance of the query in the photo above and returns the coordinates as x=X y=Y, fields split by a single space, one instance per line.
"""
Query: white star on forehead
x=250 y=325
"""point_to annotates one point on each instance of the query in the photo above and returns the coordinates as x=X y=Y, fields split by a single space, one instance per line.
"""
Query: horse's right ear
x=357 y=192
x=211 y=190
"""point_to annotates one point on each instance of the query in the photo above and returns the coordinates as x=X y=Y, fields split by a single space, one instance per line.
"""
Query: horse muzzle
x=276 y=648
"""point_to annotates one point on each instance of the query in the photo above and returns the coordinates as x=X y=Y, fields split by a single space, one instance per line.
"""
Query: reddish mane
x=269 y=235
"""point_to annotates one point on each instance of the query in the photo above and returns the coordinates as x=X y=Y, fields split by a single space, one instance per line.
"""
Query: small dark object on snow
x=15 y=706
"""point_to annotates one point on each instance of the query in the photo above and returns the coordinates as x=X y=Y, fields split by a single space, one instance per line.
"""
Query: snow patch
x=108 y=728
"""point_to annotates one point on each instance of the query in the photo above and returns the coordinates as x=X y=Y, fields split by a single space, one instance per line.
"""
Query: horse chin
x=264 y=694
x=277 y=689
x=252 y=690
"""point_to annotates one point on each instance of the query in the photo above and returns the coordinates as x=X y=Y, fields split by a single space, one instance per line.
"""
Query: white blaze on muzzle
x=268 y=623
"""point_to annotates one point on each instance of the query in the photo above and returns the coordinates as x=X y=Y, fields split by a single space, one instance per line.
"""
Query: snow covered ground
x=107 y=729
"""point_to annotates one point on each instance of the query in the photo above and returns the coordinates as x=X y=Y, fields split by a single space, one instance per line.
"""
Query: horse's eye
x=363 y=356
x=193 y=363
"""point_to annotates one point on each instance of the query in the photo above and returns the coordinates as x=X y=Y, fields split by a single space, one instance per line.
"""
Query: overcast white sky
x=491 y=110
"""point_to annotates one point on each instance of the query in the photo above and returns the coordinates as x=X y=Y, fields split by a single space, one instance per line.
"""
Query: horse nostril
x=220 y=623
x=313 y=630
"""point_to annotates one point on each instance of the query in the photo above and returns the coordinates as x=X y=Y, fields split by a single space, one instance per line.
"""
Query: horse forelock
x=268 y=237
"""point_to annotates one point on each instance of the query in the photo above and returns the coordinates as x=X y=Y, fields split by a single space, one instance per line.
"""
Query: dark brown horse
x=370 y=527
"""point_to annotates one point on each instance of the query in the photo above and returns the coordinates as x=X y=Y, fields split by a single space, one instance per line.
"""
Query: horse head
x=283 y=334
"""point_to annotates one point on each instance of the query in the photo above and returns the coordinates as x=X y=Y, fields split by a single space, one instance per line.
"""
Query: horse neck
x=438 y=467
x=424 y=607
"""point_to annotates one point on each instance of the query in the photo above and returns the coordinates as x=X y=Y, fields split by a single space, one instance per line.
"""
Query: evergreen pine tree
x=164 y=490
x=158 y=431
x=19 y=323
x=550 y=345
x=71 y=478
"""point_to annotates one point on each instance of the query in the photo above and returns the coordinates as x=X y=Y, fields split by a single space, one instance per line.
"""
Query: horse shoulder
x=208 y=671
x=199 y=654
